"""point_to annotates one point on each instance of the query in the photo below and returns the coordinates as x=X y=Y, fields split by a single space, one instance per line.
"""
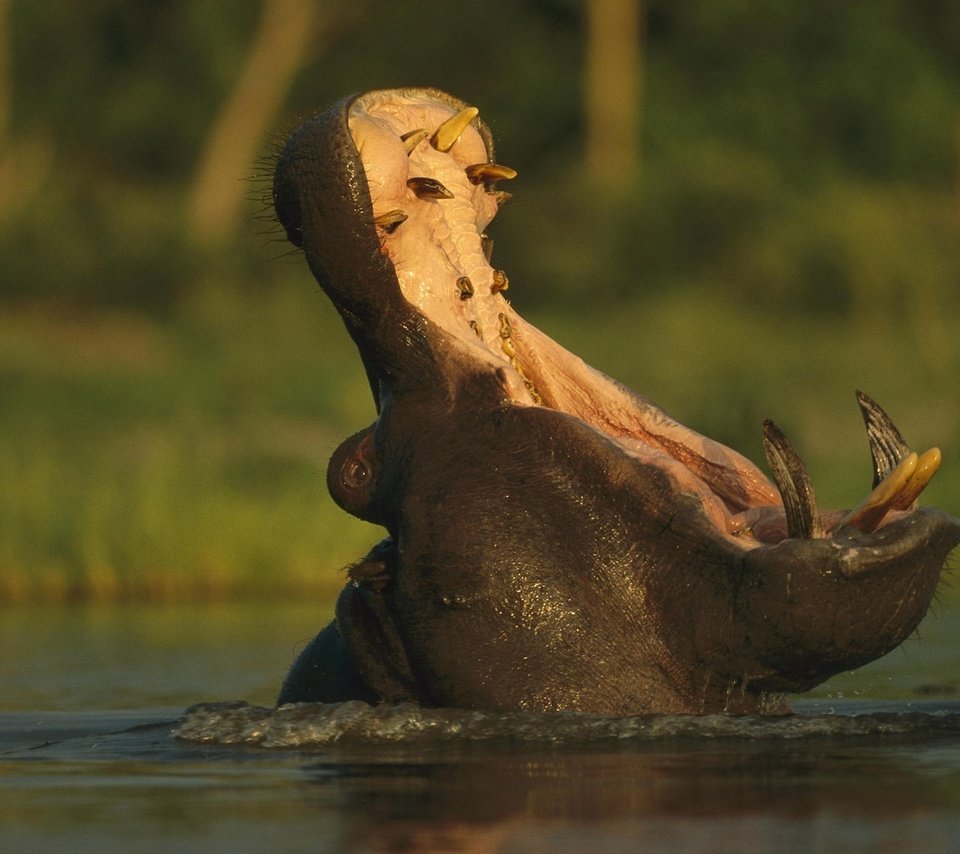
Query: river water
x=123 y=729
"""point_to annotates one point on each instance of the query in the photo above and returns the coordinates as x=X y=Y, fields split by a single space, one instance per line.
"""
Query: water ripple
x=318 y=724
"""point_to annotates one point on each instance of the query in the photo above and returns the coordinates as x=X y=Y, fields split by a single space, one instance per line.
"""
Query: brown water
x=89 y=699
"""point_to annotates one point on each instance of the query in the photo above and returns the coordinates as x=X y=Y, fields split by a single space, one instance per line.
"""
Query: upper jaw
x=426 y=307
x=433 y=197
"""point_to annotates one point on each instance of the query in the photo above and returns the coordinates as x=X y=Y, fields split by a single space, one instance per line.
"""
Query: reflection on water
x=143 y=656
x=138 y=786
x=83 y=770
x=137 y=656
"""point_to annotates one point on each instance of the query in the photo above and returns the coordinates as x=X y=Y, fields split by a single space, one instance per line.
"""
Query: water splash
x=318 y=724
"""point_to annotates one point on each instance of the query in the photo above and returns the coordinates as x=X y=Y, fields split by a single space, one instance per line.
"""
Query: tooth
x=887 y=446
x=487 y=173
x=500 y=282
x=465 y=286
x=799 y=501
x=927 y=466
x=390 y=220
x=449 y=132
x=428 y=188
x=486 y=244
x=868 y=515
x=412 y=138
x=506 y=343
x=502 y=197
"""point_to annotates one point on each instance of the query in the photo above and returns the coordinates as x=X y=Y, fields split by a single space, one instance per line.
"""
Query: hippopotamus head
x=556 y=541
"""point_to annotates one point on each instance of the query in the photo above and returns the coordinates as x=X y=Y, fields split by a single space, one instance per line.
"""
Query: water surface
x=91 y=699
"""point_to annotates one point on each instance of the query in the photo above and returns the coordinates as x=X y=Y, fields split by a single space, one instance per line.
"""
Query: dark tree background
x=803 y=153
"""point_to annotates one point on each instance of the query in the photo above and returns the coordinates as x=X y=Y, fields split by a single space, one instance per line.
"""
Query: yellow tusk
x=449 y=132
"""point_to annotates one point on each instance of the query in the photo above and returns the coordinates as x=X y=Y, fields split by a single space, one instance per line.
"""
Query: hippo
x=555 y=541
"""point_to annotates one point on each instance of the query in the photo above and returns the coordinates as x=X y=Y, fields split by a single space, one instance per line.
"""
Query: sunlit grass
x=186 y=459
x=175 y=461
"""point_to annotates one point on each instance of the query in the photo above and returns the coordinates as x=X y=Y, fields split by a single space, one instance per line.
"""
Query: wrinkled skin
x=556 y=541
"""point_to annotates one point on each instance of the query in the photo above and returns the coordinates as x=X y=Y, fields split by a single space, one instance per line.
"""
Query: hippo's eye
x=355 y=474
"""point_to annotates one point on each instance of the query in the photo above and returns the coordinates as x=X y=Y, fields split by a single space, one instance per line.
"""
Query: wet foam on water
x=319 y=724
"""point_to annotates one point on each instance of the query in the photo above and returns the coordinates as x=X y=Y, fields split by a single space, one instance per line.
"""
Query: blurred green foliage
x=784 y=148
x=167 y=407
x=176 y=459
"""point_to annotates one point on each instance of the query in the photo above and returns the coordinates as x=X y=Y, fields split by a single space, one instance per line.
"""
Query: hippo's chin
x=556 y=540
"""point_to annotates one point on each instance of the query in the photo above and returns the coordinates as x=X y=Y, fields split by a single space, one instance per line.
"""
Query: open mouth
x=433 y=182
x=644 y=567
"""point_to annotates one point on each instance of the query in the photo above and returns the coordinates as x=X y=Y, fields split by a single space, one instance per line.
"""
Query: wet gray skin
x=556 y=541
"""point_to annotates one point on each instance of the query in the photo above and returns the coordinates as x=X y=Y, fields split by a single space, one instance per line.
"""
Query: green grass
x=178 y=460
x=186 y=459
